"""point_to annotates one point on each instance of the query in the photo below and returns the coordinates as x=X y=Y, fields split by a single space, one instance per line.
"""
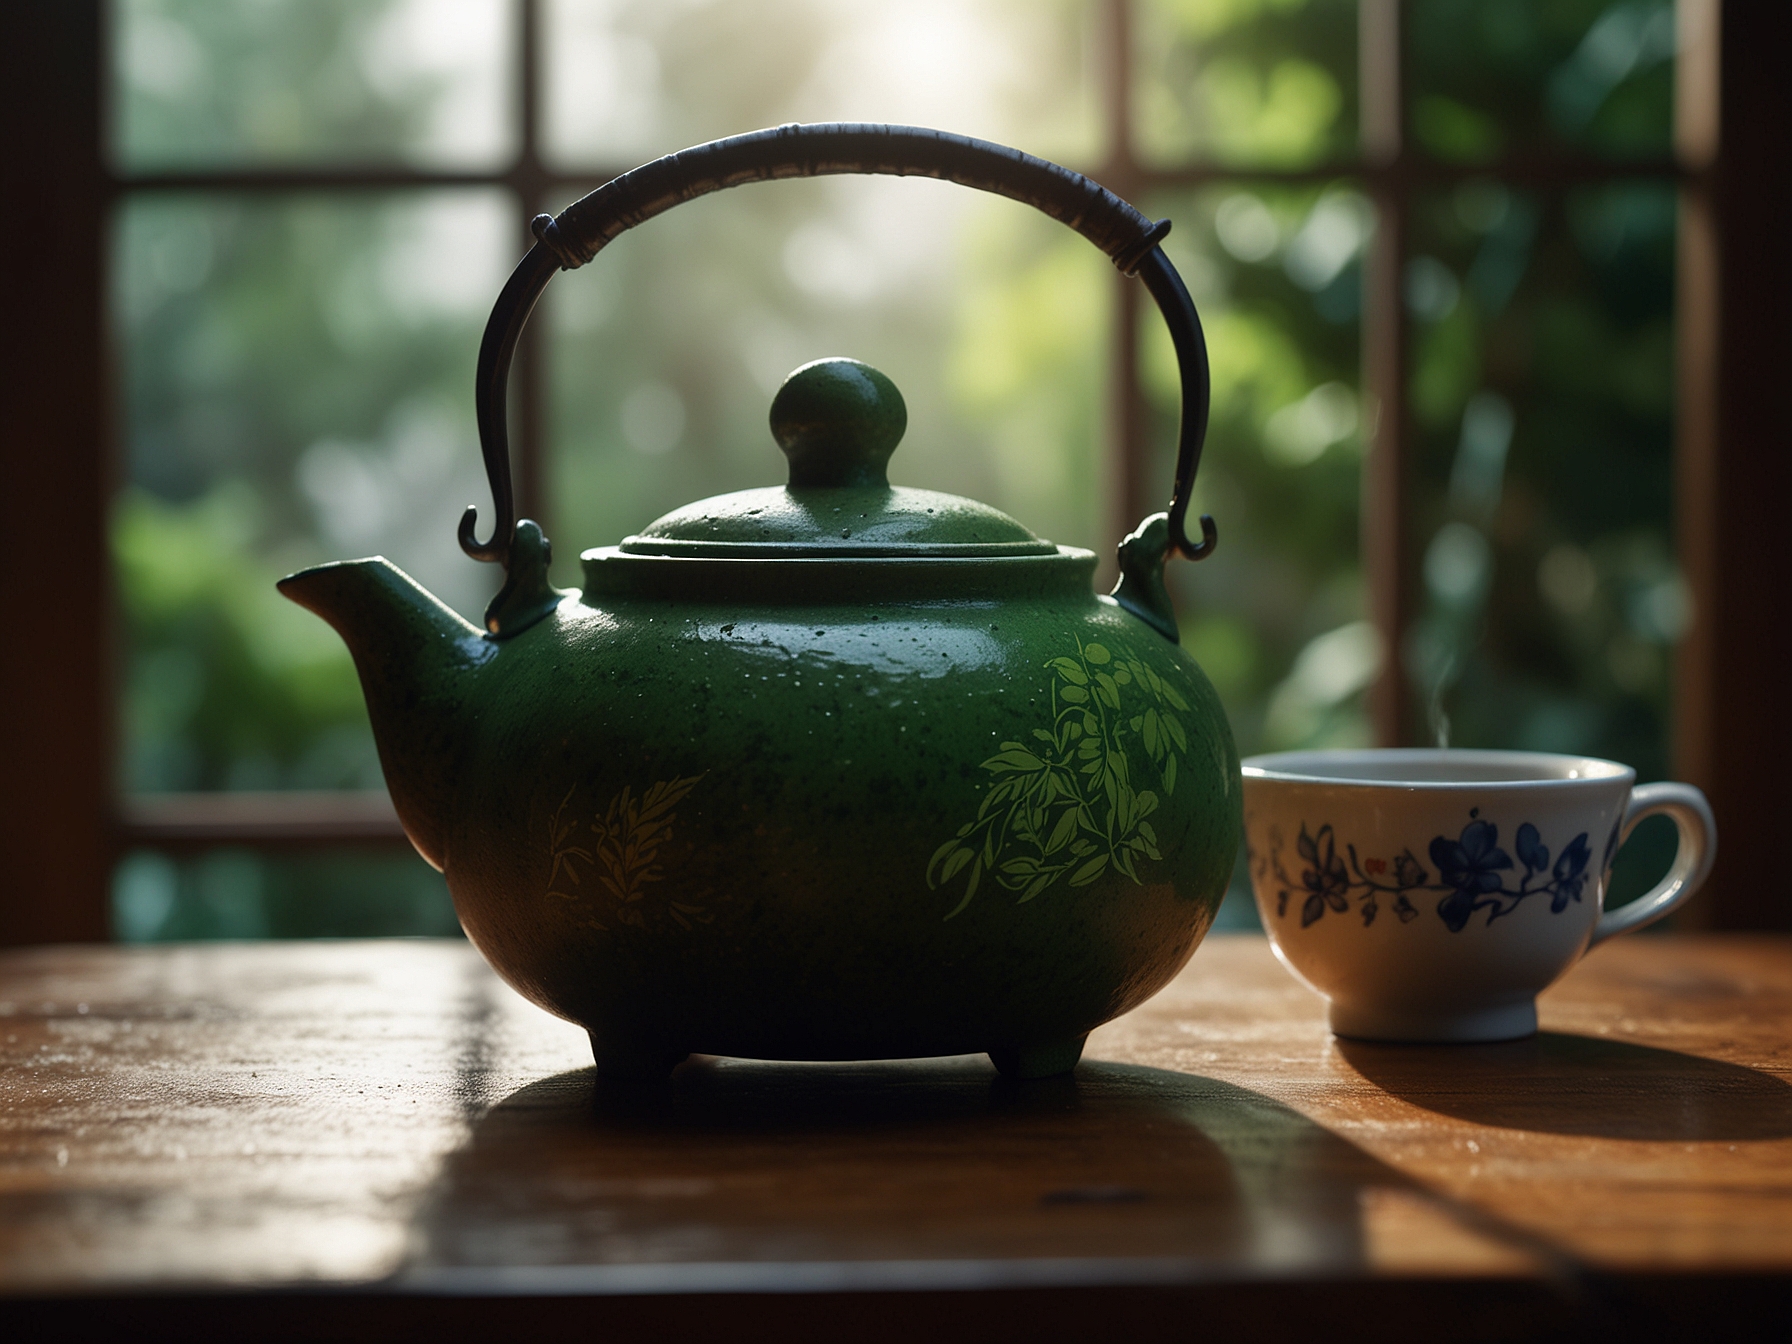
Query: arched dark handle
x=584 y=228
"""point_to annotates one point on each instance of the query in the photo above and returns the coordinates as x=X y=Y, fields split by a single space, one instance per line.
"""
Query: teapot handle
x=583 y=229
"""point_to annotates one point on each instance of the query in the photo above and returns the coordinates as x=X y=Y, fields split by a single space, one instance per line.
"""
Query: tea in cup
x=1431 y=895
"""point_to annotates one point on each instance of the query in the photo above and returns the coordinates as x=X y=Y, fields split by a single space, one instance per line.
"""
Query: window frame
x=64 y=826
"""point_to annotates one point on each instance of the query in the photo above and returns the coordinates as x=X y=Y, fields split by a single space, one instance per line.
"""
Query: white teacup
x=1431 y=895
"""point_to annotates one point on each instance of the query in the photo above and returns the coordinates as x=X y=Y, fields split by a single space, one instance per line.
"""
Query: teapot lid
x=837 y=421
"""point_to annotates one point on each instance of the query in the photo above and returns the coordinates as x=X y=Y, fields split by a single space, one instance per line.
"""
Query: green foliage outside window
x=1488 y=77
x=207 y=83
x=1542 y=401
x=1277 y=615
x=297 y=388
x=1263 y=83
x=297 y=367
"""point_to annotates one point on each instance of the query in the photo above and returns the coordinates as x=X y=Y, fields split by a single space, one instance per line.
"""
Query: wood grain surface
x=386 y=1118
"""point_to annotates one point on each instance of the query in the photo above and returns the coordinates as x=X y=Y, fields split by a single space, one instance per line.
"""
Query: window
x=1436 y=246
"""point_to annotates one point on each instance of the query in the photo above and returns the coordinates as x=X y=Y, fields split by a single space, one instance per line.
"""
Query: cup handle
x=1692 y=862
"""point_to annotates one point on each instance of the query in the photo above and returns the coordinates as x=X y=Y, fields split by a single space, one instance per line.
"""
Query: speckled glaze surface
x=711 y=826
x=804 y=799
x=801 y=769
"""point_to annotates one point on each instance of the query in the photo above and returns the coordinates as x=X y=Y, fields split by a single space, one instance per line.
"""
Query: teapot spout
x=415 y=658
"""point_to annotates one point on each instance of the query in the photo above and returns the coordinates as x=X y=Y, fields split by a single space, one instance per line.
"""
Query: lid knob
x=838 y=421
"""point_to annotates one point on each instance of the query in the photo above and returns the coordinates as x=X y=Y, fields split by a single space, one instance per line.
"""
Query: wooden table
x=378 y=1138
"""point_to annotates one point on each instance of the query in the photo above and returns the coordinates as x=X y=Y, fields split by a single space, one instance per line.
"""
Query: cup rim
x=1332 y=765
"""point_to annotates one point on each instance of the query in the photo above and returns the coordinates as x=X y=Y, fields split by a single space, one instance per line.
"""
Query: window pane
x=1277 y=615
x=297 y=387
x=1542 y=399
x=1270 y=83
x=629 y=80
x=237 y=893
x=1492 y=77
x=668 y=348
x=204 y=83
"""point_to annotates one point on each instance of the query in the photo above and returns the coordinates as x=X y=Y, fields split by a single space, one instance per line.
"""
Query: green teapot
x=831 y=770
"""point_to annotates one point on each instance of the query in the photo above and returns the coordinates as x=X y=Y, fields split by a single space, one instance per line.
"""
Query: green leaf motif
x=1091 y=870
x=622 y=853
x=1173 y=726
x=1068 y=806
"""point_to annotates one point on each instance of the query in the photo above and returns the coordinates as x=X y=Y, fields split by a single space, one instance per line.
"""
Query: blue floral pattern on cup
x=1473 y=873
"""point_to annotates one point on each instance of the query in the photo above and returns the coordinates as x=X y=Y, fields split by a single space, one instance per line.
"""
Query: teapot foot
x=1042 y=1059
x=634 y=1061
